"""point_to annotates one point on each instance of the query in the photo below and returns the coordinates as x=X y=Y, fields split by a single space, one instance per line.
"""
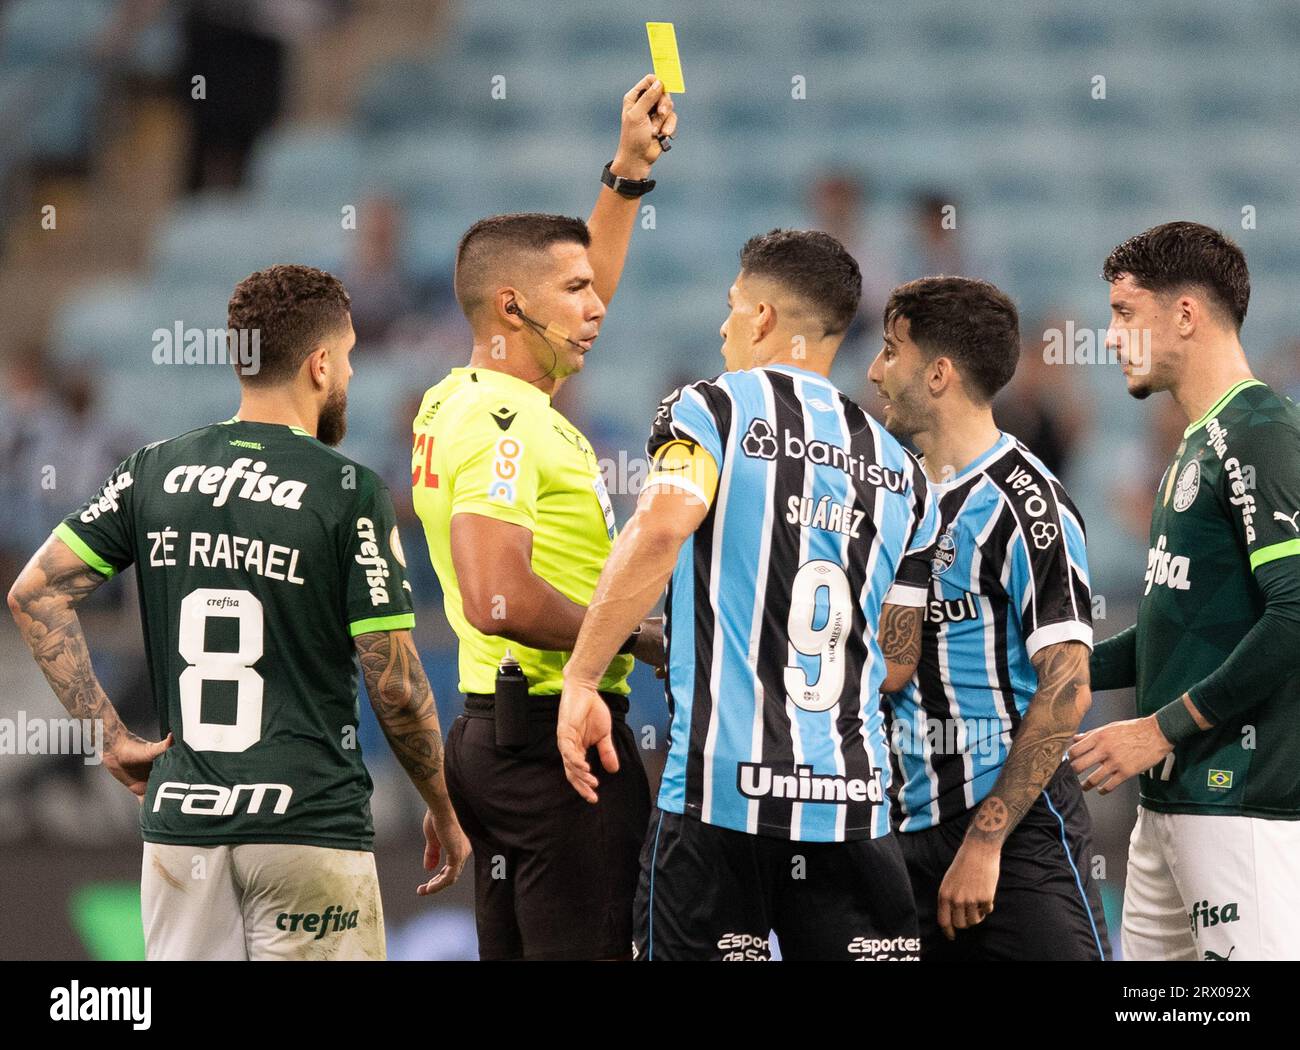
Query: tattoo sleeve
x=1054 y=714
x=43 y=601
x=404 y=704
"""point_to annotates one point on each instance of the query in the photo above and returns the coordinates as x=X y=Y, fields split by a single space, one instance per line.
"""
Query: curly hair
x=291 y=308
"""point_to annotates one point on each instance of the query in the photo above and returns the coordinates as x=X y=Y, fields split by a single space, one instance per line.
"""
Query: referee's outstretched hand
x=648 y=119
x=584 y=723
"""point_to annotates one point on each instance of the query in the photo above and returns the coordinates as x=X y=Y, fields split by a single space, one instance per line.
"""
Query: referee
x=519 y=526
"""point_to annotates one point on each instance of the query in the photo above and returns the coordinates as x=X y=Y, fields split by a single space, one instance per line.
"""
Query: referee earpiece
x=512 y=308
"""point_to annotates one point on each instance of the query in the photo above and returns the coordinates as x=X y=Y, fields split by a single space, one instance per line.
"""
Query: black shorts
x=1047 y=906
x=710 y=893
x=554 y=876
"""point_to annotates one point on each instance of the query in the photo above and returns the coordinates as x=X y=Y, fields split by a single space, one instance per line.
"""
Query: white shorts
x=1211 y=888
x=260 y=901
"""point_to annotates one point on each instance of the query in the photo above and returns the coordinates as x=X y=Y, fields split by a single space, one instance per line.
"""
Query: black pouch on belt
x=510 y=704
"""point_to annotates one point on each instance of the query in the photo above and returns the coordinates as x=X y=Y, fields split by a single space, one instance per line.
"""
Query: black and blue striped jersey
x=1009 y=576
x=774 y=669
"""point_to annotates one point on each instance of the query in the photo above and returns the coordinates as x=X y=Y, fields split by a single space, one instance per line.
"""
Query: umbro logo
x=504 y=417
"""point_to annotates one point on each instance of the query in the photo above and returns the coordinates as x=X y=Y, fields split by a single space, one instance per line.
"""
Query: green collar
x=296 y=430
x=1218 y=406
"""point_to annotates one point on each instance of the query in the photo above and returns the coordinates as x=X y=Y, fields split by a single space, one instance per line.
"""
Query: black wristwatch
x=630 y=645
x=630 y=188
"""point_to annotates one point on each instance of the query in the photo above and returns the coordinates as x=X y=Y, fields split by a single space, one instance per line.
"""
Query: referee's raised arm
x=519 y=526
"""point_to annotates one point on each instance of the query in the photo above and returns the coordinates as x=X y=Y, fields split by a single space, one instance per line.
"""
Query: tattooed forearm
x=404 y=704
x=900 y=634
x=1054 y=714
x=900 y=641
x=43 y=602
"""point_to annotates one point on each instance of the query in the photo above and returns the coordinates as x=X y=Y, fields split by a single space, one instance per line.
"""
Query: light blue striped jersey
x=1009 y=576
x=774 y=669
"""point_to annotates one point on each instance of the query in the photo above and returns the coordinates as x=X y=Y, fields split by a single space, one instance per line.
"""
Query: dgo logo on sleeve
x=505 y=469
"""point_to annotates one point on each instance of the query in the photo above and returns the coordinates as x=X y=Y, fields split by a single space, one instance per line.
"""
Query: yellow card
x=663 y=53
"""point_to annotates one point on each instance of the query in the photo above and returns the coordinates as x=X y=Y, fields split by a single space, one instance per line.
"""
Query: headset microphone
x=552 y=330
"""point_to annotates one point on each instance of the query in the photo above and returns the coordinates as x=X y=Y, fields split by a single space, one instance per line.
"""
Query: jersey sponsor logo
x=755 y=780
x=505 y=469
x=1241 y=497
x=761 y=442
x=1189 y=484
x=219 y=482
x=1166 y=569
x=334 y=919
x=107 y=500
x=1218 y=437
x=943 y=610
x=1219 y=779
x=213 y=800
x=374 y=563
x=1279 y=516
x=886 y=949
x=1031 y=494
x=1216 y=957
x=745 y=947
x=1204 y=915
x=945 y=552
x=825 y=515
x=1043 y=533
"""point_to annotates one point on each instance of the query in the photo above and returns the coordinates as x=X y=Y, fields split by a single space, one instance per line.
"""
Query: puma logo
x=1216 y=957
x=1279 y=516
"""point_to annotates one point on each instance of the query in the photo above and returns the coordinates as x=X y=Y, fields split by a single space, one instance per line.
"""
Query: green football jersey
x=1229 y=503
x=260 y=553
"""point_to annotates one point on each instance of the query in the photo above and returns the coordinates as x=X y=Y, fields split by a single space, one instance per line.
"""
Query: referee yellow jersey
x=489 y=443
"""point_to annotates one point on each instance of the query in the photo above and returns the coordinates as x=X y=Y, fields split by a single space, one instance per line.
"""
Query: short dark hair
x=488 y=241
x=1174 y=255
x=812 y=265
x=291 y=308
x=973 y=322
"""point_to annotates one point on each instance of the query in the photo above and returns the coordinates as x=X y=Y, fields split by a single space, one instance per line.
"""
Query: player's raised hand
x=1119 y=750
x=648 y=114
x=967 y=891
x=443 y=840
x=584 y=723
x=131 y=758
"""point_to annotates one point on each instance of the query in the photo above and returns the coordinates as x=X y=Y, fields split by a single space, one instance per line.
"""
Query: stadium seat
x=223 y=240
